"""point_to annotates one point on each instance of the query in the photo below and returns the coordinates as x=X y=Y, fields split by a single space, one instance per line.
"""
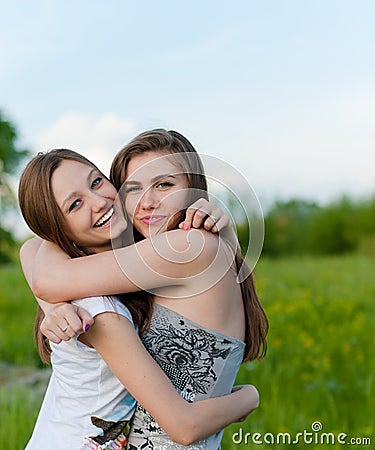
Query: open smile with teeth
x=104 y=219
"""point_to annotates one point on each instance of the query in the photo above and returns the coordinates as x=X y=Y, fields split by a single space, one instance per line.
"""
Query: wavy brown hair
x=188 y=160
x=44 y=217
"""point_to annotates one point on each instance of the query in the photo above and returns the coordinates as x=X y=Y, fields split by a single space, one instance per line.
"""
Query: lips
x=151 y=220
x=105 y=218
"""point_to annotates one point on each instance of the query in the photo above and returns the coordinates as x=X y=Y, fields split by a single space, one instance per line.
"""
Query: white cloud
x=97 y=137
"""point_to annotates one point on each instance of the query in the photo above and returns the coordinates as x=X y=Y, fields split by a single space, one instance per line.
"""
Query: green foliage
x=333 y=229
x=10 y=155
x=7 y=244
x=10 y=158
x=297 y=227
x=286 y=226
x=17 y=311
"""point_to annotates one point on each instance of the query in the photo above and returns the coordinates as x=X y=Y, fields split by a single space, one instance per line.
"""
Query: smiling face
x=86 y=199
x=155 y=192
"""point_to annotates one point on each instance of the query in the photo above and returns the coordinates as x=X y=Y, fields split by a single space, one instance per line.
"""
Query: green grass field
x=320 y=364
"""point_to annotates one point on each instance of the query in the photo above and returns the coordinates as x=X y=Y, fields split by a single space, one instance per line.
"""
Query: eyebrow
x=75 y=194
x=153 y=180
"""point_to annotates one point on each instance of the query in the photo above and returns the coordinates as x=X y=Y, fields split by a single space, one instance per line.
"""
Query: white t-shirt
x=82 y=391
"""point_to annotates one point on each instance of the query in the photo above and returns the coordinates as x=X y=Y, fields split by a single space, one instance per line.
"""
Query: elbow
x=189 y=440
x=186 y=432
x=38 y=282
x=186 y=441
x=38 y=289
x=41 y=288
x=183 y=439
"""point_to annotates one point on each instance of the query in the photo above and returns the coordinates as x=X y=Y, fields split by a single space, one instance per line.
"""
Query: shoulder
x=27 y=253
x=185 y=246
x=30 y=247
x=186 y=254
x=168 y=258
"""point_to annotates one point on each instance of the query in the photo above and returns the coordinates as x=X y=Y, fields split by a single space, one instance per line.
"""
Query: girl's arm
x=27 y=255
x=62 y=314
x=167 y=259
x=184 y=422
x=201 y=213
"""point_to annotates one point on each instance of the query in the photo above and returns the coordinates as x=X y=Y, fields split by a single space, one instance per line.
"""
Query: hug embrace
x=140 y=310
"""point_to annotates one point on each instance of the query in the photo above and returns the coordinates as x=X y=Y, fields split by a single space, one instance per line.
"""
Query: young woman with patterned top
x=64 y=198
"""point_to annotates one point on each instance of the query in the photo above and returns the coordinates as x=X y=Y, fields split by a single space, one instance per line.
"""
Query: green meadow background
x=315 y=279
x=319 y=367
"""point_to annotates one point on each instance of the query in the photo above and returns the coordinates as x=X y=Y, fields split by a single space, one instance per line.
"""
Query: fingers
x=86 y=320
x=50 y=335
x=196 y=213
x=64 y=322
x=237 y=387
x=216 y=221
x=52 y=331
x=69 y=320
x=203 y=213
x=190 y=213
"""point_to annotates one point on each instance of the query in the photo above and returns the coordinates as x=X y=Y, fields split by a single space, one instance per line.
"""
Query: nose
x=149 y=200
x=98 y=202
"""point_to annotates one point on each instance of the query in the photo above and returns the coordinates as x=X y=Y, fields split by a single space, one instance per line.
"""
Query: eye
x=164 y=185
x=96 y=182
x=74 y=205
x=130 y=189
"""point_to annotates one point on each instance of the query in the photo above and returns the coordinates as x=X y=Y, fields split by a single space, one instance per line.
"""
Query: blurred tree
x=336 y=228
x=286 y=227
x=10 y=158
x=297 y=227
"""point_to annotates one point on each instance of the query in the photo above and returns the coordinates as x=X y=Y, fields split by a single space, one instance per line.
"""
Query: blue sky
x=282 y=90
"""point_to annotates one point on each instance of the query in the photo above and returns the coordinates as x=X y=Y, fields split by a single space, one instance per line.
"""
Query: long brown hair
x=172 y=142
x=44 y=217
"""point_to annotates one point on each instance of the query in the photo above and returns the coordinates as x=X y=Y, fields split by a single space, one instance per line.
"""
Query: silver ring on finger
x=65 y=328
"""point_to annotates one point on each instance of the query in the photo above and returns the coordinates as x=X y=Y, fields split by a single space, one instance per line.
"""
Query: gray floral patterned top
x=200 y=362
